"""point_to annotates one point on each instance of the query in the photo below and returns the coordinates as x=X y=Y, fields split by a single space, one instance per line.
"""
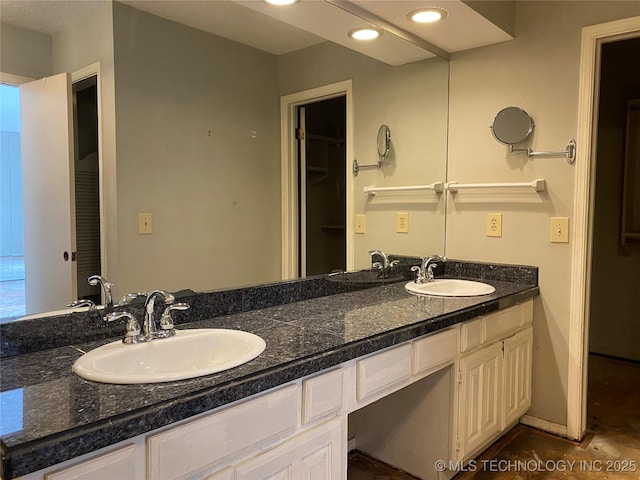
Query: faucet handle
x=85 y=302
x=419 y=274
x=133 y=327
x=166 y=321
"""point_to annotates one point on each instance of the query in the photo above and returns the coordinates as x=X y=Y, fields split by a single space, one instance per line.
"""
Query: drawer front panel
x=434 y=350
x=118 y=464
x=322 y=396
x=500 y=324
x=471 y=334
x=379 y=372
x=205 y=441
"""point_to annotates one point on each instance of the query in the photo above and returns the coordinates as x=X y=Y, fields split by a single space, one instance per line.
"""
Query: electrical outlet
x=494 y=225
x=402 y=222
x=361 y=226
x=145 y=226
x=559 y=230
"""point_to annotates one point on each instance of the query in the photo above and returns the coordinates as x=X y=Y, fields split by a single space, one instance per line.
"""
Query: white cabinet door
x=317 y=454
x=480 y=399
x=517 y=376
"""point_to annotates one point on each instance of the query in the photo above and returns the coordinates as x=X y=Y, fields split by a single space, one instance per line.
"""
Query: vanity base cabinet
x=494 y=379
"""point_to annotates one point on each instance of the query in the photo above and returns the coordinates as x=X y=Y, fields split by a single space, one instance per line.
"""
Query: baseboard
x=544 y=425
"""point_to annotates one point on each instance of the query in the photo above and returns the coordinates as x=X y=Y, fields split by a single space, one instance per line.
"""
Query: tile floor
x=610 y=450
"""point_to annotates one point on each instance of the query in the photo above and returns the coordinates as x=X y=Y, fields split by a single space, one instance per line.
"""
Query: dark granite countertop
x=50 y=415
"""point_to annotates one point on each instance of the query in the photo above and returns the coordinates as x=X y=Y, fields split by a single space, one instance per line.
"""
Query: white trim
x=77 y=76
x=581 y=237
x=544 y=425
x=11 y=79
x=288 y=169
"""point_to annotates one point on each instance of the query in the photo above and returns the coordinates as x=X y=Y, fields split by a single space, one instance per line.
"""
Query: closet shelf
x=438 y=187
x=539 y=185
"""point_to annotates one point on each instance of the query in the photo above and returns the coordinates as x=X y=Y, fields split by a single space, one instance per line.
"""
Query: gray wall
x=24 y=52
x=214 y=196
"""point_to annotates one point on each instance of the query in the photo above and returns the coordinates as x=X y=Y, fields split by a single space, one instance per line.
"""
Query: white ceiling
x=280 y=30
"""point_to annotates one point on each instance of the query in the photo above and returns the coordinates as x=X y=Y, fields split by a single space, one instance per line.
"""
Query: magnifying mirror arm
x=569 y=153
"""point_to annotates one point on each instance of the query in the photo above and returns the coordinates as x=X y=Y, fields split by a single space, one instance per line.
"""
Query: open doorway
x=87 y=185
x=12 y=300
x=613 y=391
x=322 y=186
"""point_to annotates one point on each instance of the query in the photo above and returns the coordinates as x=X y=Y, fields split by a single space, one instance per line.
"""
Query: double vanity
x=336 y=352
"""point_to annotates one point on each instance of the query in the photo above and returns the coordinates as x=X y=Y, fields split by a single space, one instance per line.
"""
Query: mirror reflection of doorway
x=12 y=302
x=322 y=181
x=87 y=189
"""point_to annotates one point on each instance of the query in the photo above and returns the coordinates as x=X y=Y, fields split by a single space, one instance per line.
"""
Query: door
x=49 y=212
x=517 y=376
x=322 y=187
x=317 y=454
x=480 y=398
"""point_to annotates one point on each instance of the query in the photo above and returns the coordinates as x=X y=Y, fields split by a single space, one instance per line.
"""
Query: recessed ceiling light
x=428 y=15
x=365 y=33
x=281 y=2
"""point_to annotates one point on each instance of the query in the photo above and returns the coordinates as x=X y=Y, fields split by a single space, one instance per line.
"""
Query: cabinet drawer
x=379 y=372
x=322 y=396
x=192 y=446
x=500 y=324
x=118 y=464
x=526 y=312
x=471 y=334
x=434 y=350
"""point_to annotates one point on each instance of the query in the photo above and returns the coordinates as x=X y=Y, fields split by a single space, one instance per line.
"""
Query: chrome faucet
x=386 y=265
x=149 y=330
x=106 y=288
x=425 y=270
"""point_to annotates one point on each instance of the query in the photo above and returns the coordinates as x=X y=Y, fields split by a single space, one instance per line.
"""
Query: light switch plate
x=361 y=226
x=145 y=225
x=494 y=225
x=559 y=230
x=402 y=223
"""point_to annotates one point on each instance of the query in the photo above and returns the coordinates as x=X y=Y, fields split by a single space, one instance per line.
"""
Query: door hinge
x=459 y=376
x=299 y=134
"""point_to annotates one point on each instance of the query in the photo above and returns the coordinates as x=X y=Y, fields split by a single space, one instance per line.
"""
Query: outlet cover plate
x=494 y=225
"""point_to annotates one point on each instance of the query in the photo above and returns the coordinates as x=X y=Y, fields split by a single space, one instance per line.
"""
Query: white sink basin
x=450 y=287
x=189 y=354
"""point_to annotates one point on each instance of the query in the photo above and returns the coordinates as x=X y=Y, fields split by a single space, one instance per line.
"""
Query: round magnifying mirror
x=384 y=141
x=512 y=125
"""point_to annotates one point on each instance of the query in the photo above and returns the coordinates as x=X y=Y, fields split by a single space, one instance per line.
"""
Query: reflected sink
x=189 y=354
x=450 y=287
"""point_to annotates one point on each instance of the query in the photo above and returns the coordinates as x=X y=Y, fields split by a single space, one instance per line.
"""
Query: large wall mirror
x=190 y=132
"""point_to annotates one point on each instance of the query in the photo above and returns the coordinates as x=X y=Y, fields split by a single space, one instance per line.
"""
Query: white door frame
x=93 y=70
x=289 y=170
x=582 y=236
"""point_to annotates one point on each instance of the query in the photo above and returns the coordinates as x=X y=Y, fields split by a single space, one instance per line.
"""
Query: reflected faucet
x=106 y=288
x=385 y=267
x=149 y=329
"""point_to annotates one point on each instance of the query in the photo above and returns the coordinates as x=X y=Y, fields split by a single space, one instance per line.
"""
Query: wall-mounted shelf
x=538 y=185
x=438 y=187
